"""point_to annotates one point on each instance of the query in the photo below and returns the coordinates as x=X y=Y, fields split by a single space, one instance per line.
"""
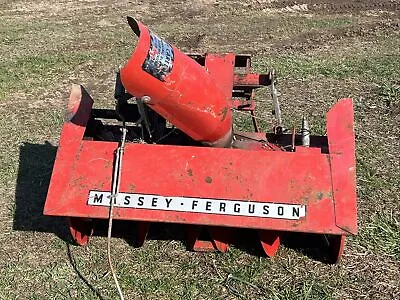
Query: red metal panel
x=341 y=140
x=79 y=107
x=221 y=68
x=263 y=176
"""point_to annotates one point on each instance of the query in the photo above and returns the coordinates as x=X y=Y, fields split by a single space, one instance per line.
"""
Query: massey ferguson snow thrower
x=182 y=162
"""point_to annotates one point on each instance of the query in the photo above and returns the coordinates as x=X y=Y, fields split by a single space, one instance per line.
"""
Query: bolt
x=146 y=99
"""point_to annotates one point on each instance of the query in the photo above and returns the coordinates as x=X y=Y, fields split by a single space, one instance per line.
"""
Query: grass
x=27 y=73
x=374 y=68
x=320 y=57
x=329 y=23
x=383 y=235
x=391 y=95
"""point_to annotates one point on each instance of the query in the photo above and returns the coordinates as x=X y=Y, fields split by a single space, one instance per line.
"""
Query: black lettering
x=222 y=206
x=280 y=210
x=140 y=201
x=265 y=208
x=252 y=208
x=296 y=212
x=208 y=205
x=168 y=201
x=97 y=198
x=154 y=202
x=236 y=208
x=112 y=197
x=127 y=200
x=194 y=204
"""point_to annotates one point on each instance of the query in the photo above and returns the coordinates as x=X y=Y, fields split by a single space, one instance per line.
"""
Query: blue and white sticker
x=160 y=58
x=200 y=205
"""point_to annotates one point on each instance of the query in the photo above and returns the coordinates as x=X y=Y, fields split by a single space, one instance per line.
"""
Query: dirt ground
x=322 y=50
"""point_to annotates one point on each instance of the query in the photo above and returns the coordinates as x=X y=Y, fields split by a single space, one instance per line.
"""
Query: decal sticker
x=200 y=205
x=160 y=58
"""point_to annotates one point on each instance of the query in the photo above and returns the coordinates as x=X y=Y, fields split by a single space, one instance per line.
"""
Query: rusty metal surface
x=264 y=176
x=250 y=80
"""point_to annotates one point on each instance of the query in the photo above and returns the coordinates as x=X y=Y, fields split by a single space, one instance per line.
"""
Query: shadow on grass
x=128 y=230
x=80 y=275
x=314 y=246
x=35 y=167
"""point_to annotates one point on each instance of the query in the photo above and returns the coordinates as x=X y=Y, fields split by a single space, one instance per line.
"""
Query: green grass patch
x=289 y=26
x=391 y=95
x=376 y=68
x=13 y=32
x=382 y=234
x=311 y=288
x=29 y=73
x=326 y=23
x=244 y=269
x=367 y=159
x=17 y=131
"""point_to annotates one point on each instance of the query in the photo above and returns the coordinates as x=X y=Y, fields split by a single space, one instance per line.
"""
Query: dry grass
x=320 y=57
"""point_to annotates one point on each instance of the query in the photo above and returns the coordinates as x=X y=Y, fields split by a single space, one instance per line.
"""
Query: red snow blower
x=180 y=161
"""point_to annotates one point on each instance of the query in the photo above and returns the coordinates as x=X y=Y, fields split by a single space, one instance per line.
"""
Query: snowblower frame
x=257 y=184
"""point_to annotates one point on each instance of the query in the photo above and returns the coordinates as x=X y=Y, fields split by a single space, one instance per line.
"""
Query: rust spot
x=320 y=195
x=75 y=180
x=224 y=113
x=249 y=196
x=208 y=179
x=305 y=199
x=177 y=219
x=350 y=126
x=241 y=76
x=190 y=172
x=132 y=187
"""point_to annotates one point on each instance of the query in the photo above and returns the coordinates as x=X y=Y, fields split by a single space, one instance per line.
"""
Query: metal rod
x=305 y=132
x=275 y=101
x=113 y=198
